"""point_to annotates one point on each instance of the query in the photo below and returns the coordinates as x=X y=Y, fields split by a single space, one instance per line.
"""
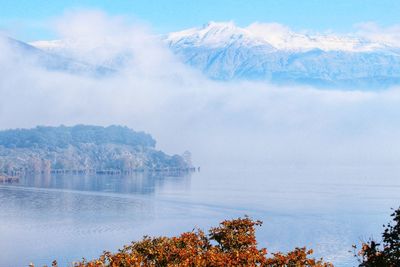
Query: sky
x=28 y=20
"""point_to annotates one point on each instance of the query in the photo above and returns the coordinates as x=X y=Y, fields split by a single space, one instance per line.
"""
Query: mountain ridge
x=274 y=53
x=26 y=52
x=315 y=60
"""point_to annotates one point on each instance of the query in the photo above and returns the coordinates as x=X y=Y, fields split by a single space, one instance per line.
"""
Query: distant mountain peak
x=33 y=54
x=215 y=34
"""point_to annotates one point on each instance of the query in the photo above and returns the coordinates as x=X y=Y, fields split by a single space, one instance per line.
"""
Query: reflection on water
x=67 y=217
x=137 y=183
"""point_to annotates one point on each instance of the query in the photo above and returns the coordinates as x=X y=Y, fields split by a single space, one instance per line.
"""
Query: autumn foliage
x=232 y=243
x=385 y=253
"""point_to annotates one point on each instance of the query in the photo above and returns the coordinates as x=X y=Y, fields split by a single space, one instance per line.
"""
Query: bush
x=232 y=243
x=387 y=252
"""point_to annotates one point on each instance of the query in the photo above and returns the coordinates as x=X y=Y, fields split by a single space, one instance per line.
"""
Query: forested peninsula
x=84 y=149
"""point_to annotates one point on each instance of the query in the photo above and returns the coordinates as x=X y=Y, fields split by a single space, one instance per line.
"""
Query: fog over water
x=69 y=217
x=318 y=166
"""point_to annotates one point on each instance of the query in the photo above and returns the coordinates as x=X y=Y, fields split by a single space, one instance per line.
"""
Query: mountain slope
x=224 y=51
x=26 y=53
x=261 y=52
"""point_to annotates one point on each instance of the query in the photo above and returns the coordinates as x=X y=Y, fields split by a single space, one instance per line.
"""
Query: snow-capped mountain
x=26 y=53
x=275 y=36
x=96 y=54
x=274 y=53
x=263 y=52
x=216 y=35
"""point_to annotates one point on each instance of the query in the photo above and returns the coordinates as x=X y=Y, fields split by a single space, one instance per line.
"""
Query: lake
x=327 y=208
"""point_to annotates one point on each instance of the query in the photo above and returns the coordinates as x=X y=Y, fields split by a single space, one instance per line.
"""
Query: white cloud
x=282 y=37
x=375 y=33
x=96 y=38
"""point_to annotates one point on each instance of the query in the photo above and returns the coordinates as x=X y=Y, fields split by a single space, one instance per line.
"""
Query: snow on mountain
x=96 y=54
x=283 y=38
x=216 y=34
x=275 y=53
x=27 y=53
x=261 y=51
x=274 y=35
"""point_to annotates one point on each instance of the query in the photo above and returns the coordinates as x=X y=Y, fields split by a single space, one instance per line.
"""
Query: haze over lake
x=69 y=217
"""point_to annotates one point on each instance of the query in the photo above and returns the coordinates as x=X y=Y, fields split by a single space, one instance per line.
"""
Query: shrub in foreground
x=385 y=253
x=232 y=243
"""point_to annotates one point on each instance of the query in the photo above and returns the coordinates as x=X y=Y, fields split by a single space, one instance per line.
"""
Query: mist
x=228 y=123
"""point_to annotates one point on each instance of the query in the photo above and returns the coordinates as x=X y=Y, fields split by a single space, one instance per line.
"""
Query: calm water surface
x=70 y=217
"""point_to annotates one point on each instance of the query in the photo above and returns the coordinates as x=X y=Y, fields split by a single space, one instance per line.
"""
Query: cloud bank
x=232 y=122
x=366 y=37
x=375 y=33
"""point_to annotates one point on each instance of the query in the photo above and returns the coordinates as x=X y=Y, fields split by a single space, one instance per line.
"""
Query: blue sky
x=28 y=19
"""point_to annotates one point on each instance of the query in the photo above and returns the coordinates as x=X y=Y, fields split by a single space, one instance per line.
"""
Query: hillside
x=82 y=148
x=271 y=53
x=25 y=53
x=224 y=51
